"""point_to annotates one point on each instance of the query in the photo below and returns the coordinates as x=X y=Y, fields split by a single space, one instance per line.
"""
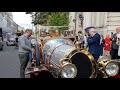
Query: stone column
x=87 y=22
x=93 y=18
x=105 y=23
x=71 y=23
x=102 y=15
x=98 y=19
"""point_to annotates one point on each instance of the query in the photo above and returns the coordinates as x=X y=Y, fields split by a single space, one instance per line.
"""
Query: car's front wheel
x=1 y=48
x=6 y=43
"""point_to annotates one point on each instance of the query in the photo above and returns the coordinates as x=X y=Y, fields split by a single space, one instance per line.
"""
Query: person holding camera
x=94 y=43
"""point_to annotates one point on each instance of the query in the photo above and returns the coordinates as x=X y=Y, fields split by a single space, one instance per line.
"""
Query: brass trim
x=68 y=55
x=43 y=46
x=61 y=62
x=93 y=62
x=114 y=63
x=104 y=62
x=94 y=67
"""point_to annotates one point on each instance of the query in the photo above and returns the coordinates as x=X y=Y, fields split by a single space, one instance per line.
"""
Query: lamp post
x=74 y=21
x=81 y=19
x=36 y=25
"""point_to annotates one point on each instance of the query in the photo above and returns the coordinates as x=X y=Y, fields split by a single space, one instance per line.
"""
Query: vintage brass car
x=60 y=58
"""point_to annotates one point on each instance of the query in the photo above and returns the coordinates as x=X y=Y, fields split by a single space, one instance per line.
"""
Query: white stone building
x=75 y=21
x=106 y=22
x=20 y=28
x=7 y=24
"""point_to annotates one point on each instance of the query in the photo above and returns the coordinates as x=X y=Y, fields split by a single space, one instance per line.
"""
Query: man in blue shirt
x=94 y=43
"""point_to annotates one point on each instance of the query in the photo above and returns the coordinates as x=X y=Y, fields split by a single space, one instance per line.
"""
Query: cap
x=88 y=28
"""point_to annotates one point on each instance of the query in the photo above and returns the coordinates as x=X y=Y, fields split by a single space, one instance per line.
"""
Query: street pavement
x=9 y=62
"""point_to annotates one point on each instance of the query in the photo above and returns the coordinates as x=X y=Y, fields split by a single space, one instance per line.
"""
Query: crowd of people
x=98 y=45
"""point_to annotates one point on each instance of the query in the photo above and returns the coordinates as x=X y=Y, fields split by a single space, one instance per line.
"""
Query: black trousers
x=24 y=61
x=114 y=54
x=101 y=50
x=96 y=57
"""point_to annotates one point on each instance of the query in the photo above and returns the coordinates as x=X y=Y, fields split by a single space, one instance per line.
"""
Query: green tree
x=22 y=32
x=51 y=18
x=59 y=19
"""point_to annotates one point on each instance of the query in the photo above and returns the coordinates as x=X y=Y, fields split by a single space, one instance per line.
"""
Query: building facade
x=75 y=19
x=7 y=24
x=21 y=28
x=106 y=22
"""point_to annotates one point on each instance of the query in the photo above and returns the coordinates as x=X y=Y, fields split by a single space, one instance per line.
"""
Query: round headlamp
x=69 y=71
x=112 y=69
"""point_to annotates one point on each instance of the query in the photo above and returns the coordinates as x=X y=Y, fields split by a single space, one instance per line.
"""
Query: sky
x=22 y=19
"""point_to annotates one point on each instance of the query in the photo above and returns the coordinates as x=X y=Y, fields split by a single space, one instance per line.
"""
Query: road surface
x=9 y=62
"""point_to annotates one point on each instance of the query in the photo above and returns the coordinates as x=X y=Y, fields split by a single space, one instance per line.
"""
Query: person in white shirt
x=85 y=41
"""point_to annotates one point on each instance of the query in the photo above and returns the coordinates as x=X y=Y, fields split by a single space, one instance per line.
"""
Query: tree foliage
x=50 y=18
x=22 y=32
x=59 y=19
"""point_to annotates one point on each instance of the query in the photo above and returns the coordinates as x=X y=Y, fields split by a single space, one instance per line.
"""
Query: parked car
x=11 y=40
x=1 y=39
x=1 y=44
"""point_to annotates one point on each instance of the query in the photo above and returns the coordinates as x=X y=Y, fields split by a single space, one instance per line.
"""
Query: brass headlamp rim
x=65 y=62
x=94 y=67
x=104 y=62
x=73 y=66
x=115 y=64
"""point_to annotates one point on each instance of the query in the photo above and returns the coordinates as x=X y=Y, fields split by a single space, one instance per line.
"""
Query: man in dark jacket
x=94 y=43
x=114 y=46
